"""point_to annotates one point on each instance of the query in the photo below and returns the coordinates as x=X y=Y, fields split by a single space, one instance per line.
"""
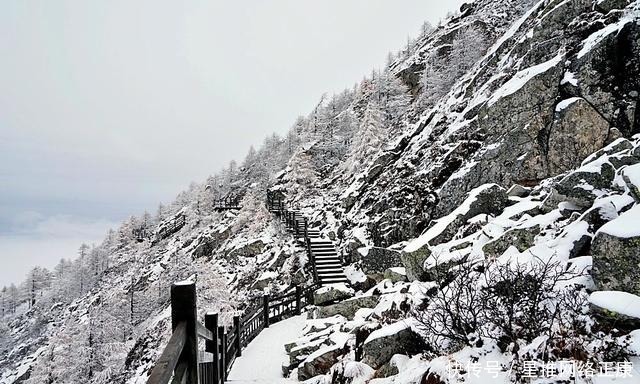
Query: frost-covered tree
x=83 y=252
x=38 y=280
x=253 y=214
x=302 y=176
x=368 y=141
x=441 y=72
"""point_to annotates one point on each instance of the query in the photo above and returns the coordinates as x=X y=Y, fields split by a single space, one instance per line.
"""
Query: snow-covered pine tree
x=367 y=141
x=441 y=72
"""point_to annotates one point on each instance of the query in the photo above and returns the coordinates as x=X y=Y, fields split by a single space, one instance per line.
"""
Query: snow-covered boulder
x=485 y=199
x=248 y=249
x=396 y=338
x=346 y=308
x=616 y=253
x=332 y=293
x=618 y=309
x=631 y=177
x=319 y=362
x=521 y=238
x=518 y=190
x=390 y=368
x=582 y=186
x=413 y=262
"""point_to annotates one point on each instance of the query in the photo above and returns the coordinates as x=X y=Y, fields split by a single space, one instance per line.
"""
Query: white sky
x=108 y=107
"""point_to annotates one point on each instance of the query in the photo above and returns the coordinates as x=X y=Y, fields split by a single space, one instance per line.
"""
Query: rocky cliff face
x=560 y=84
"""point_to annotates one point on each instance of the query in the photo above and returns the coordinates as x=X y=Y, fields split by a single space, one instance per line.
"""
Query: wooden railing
x=277 y=205
x=228 y=202
x=180 y=360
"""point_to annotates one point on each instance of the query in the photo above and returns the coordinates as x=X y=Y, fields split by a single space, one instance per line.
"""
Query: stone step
x=325 y=263
x=326 y=258
x=332 y=280
x=329 y=275
x=324 y=253
x=325 y=272
x=323 y=248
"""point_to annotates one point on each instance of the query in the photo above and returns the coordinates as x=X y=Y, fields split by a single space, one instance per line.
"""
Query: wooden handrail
x=204 y=332
x=163 y=370
x=178 y=362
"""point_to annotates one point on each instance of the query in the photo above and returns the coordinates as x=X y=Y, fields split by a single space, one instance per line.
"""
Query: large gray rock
x=518 y=190
x=583 y=186
x=319 y=363
x=378 y=350
x=331 y=293
x=608 y=74
x=577 y=131
x=379 y=259
x=414 y=263
x=521 y=238
x=297 y=353
x=616 y=260
x=346 y=308
x=205 y=244
x=250 y=249
x=488 y=199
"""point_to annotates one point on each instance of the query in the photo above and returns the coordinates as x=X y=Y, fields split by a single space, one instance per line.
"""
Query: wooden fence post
x=237 y=326
x=298 y=300
x=223 y=353
x=183 y=309
x=265 y=309
x=359 y=341
x=211 y=323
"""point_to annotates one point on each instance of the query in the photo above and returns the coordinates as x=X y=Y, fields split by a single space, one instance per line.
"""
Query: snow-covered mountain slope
x=494 y=160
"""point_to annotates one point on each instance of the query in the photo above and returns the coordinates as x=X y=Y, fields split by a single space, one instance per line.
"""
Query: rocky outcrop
x=319 y=363
x=346 y=308
x=521 y=238
x=616 y=254
x=487 y=199
x=332 y=293
x=577 y=131
x=397 y=338
x=249 y=249
x=414 y=263
x=379 y=259
x=582 y=186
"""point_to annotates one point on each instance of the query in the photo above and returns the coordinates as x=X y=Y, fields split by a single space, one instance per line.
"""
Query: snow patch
x=625 y=226
x=566 y=103
x=620 y=302
x=523 y=77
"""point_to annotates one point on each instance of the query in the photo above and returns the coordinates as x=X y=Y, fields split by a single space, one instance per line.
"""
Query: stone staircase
x=324 y=258
x=327 y=262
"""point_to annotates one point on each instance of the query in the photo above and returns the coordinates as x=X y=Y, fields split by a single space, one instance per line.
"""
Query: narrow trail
x=261 y=361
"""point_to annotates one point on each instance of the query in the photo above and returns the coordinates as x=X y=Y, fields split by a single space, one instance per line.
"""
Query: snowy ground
x=261 y=362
